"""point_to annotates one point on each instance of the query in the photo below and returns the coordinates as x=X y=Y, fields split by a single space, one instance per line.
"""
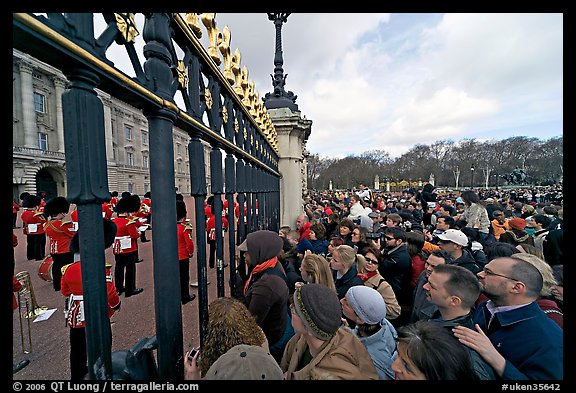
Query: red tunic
x=34 y=218
x=126 y=228
x=71 y=284
x=60 y=234
x=15 y=207
x=16 y=286
x=211 y=226
x=185 y=242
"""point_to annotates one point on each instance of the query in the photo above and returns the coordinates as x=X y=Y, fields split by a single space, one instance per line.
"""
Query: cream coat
x=342 y=357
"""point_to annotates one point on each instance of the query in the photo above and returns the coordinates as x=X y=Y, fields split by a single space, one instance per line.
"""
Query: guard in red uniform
x=60 y=230
x=185 y=251
x=33 y=221
x=71 y=286
x=126 y=245
x=144 y=215
x=15 y=210
x=211 y=231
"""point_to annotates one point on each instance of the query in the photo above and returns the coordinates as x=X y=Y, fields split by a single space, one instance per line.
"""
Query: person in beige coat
x=320 y=348
x=368 y=272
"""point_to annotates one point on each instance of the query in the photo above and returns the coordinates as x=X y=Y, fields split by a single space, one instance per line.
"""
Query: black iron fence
x=221 y=108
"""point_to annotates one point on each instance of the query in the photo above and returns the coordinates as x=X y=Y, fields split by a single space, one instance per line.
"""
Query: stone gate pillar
x=293 y=132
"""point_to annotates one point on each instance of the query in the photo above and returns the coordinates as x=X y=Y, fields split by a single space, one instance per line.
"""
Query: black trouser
x=58 y=261
x=78 y=355
x=125 y=262
x=184 y=278
x=14 y=217
x=212 y=253
x=36 y=246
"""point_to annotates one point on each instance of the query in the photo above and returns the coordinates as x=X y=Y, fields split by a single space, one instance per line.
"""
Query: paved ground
x=49 y=358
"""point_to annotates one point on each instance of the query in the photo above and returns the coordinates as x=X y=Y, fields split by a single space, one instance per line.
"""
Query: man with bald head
x=512 y=333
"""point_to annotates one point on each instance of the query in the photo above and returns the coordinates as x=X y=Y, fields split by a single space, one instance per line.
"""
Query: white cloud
x=389 y=81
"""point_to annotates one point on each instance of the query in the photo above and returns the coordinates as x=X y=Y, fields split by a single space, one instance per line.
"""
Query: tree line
x=492 y=161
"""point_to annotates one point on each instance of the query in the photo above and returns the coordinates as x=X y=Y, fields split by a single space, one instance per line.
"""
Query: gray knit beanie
x=367 y=303
x=319 y=309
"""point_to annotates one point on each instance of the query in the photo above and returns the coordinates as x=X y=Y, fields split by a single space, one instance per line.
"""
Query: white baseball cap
x=454 y=236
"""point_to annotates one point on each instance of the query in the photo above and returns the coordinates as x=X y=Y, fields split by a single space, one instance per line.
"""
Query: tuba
x=28 y=308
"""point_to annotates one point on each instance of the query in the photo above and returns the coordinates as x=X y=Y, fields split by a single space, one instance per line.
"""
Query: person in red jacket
x=126 y=245
x=144 y=215
x=71 y=286
x=211 y=234
x=15 y=209
x=185 y=251
x=33 y=221
x=60 y=231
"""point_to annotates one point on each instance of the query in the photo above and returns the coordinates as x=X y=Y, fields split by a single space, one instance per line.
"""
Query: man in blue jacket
x=512 y=333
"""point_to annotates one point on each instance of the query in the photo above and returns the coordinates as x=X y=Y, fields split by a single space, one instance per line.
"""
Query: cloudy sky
x=390 y=81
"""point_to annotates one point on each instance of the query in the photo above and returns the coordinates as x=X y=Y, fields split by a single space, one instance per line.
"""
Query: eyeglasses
x=372 y=261
x=489 y=272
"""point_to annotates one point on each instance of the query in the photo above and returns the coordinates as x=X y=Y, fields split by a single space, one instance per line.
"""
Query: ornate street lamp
x=472 y=170
x=279 y=98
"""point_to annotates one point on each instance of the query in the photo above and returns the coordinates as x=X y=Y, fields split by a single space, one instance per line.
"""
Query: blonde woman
x=368 y=272
x=229 y=324
x=345 y=270
x=316 y=269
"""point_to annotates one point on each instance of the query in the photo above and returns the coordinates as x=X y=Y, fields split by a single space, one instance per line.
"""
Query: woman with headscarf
x=265 y=291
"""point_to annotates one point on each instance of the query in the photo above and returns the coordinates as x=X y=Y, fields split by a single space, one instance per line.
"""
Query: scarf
x=269 y=264
x=366 y=276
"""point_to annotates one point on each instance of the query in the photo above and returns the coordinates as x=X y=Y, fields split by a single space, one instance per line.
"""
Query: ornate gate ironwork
x=221 y=108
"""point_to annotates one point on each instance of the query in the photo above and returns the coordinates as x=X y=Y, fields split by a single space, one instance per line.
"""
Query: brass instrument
x=28 y=307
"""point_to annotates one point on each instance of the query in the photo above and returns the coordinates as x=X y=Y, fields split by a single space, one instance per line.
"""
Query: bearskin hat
x=109 y=235
x=31 y=201
x=125 y=194
x=56 y=206
x=128 y=204
x=147 y=195
x=24 y=195
x=180 y=209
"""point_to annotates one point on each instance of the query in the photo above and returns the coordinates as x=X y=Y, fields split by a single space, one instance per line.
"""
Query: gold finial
x=236 y=126
x=192 y=22
x=243 y=84
x=182 y=74
x=225 y=114
x=225 y=50
x=127 y=26
x=214 y=36
x=208 y=98
x=235 y=66
x=254 y=101
x=249 y=94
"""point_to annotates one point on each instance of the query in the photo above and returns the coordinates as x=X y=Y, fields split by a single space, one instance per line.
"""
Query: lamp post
x=457 y=176
x=472 y=170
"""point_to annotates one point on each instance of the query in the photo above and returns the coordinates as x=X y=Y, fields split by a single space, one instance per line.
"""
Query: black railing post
x=198 y=191
x=230 y=167
x=84 y=138
x=217 y=191
x=159 y=52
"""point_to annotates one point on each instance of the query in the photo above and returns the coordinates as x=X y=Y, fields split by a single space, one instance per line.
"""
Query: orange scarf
x=269 y=264
x=366 y=276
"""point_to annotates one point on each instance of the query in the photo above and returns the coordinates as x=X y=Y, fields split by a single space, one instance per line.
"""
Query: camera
x=356 y=221
x=430 y=228
x=373 y=235
x=191 y=355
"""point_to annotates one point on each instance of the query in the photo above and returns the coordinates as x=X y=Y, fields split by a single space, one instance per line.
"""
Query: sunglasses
x=372 y=261
x=390 y=238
